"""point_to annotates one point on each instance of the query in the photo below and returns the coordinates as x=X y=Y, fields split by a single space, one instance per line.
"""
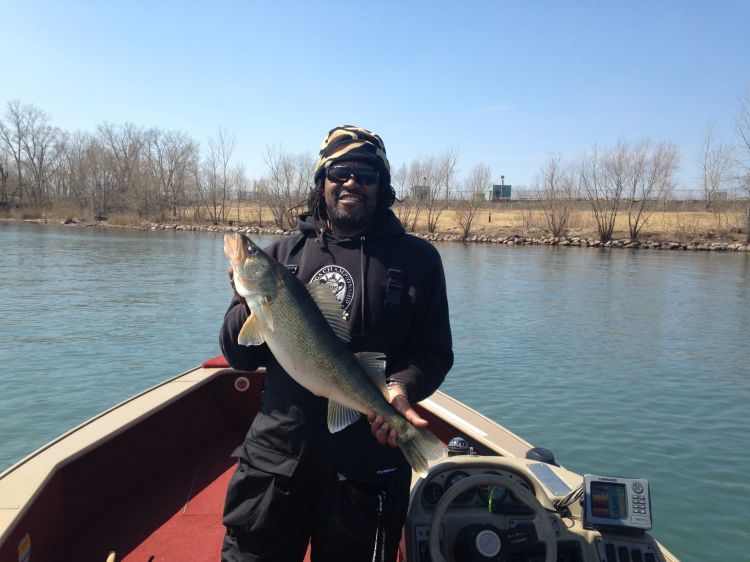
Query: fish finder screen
x=608 y=500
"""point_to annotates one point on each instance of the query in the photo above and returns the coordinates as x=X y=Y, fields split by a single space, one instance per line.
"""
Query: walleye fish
x=305 y=332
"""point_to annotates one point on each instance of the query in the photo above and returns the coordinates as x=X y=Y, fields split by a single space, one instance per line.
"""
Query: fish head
x=255 y=272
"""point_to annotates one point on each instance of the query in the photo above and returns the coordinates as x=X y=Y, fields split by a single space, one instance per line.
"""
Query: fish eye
x=252 y=251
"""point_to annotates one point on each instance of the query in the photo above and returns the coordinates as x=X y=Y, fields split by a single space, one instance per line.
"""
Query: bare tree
x=170 y=154
x=604 y=194
x=556 y=185
x=288 y=181
x=417 y=184
x=38 y=148
x=744 y=182
x=742 y=126
x=60 y=189
x=716 y=162
x=98 y=177
x=4 y=174
x=241 y=182
x=214 y=179
x=472 y=198
x=85 y=173
x=304 y=167
x=126 y=149
x=260 y=189
x=649 y=179
x=13 y=128
x=279 y=183
x=439 y=189
x=402 y=208
x=71 y=172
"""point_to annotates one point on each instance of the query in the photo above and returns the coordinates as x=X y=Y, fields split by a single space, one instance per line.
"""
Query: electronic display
x=615 y=503
x=608 y=500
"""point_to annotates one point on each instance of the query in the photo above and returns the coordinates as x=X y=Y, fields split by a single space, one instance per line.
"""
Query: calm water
x=631 y=364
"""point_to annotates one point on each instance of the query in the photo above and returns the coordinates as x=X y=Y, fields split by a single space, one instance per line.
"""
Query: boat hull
x=148 y=476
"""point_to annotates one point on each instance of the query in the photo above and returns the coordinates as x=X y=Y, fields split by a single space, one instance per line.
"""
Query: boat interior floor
x=175 y=516
x=155 y=492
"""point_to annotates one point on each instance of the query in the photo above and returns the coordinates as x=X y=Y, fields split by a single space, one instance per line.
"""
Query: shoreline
x=514 y=239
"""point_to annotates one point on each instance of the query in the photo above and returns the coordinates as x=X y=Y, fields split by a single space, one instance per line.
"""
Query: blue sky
x=504 y=83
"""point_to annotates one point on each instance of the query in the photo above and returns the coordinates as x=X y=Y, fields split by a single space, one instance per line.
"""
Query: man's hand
x=384 y=433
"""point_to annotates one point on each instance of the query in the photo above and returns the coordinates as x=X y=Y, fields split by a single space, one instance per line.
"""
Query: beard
x=351 y=219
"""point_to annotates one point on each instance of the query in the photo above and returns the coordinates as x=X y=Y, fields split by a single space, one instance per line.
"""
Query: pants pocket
x=263 y=517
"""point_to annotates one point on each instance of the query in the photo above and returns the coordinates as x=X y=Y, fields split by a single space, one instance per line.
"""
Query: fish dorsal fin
x=330 y=307
x=250 y=334
x=373 y=363
x=340 y=416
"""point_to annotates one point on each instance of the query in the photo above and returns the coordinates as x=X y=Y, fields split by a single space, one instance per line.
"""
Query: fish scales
x=325 y=356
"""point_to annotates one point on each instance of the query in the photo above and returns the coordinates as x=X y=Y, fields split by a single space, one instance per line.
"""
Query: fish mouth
x=237 y=247
x=233 y=248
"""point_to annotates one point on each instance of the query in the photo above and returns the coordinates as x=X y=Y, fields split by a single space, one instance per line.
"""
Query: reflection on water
x=629 y=363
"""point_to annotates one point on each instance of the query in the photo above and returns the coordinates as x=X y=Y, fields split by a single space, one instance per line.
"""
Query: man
x=346 y=493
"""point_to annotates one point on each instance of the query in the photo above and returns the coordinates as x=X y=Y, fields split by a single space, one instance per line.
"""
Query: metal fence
x=522 y=194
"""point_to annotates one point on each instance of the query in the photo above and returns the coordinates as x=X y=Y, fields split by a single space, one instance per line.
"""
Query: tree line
x=155 y=174
x=116 y=169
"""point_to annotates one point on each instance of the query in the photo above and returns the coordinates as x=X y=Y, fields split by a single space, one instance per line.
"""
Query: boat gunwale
x=470 y=428
x=37 y=484
x=95 y=418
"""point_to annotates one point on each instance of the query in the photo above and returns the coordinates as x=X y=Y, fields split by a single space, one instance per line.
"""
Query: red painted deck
x=174 y=517
x=173 y=514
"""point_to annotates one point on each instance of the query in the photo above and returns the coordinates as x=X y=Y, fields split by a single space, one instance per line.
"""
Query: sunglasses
x=341 y=174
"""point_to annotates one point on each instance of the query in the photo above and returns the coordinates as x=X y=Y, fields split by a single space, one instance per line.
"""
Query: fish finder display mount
x=616 y=504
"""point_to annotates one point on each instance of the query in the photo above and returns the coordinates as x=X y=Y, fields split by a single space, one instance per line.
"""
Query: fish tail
x=419 y=447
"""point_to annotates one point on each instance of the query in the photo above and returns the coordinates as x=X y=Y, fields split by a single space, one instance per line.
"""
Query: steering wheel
x=542 y=525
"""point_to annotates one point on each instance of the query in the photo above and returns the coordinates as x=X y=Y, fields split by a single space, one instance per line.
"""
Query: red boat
x=145 y=481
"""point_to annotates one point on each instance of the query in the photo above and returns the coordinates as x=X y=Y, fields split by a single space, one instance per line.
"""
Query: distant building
x=497 y=192
x=420 y=192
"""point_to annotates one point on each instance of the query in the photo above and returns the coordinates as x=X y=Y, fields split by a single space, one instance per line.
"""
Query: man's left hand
x=383 y=432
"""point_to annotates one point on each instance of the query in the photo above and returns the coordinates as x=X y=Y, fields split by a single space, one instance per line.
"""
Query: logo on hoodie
x=340 y=281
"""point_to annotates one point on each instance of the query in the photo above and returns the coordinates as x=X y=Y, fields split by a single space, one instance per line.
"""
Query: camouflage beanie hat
x=348 y=142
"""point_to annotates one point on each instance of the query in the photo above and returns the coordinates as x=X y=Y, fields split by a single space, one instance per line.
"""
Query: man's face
x=351 y=202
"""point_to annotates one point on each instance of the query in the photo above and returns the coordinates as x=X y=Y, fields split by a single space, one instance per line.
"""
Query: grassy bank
x=688 y=225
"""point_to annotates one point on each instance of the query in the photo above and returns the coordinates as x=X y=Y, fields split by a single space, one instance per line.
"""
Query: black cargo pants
x=271 y=518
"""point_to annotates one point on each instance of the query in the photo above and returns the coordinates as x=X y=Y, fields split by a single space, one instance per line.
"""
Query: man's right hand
x=384 y=433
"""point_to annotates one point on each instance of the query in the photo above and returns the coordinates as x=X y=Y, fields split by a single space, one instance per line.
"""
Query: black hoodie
x=392 y=289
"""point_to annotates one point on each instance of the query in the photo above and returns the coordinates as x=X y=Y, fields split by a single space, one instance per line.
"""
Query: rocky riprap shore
x=589 y=242
x=510 y=240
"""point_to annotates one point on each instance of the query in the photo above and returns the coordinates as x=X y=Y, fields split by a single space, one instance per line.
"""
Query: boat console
x=492 y=508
